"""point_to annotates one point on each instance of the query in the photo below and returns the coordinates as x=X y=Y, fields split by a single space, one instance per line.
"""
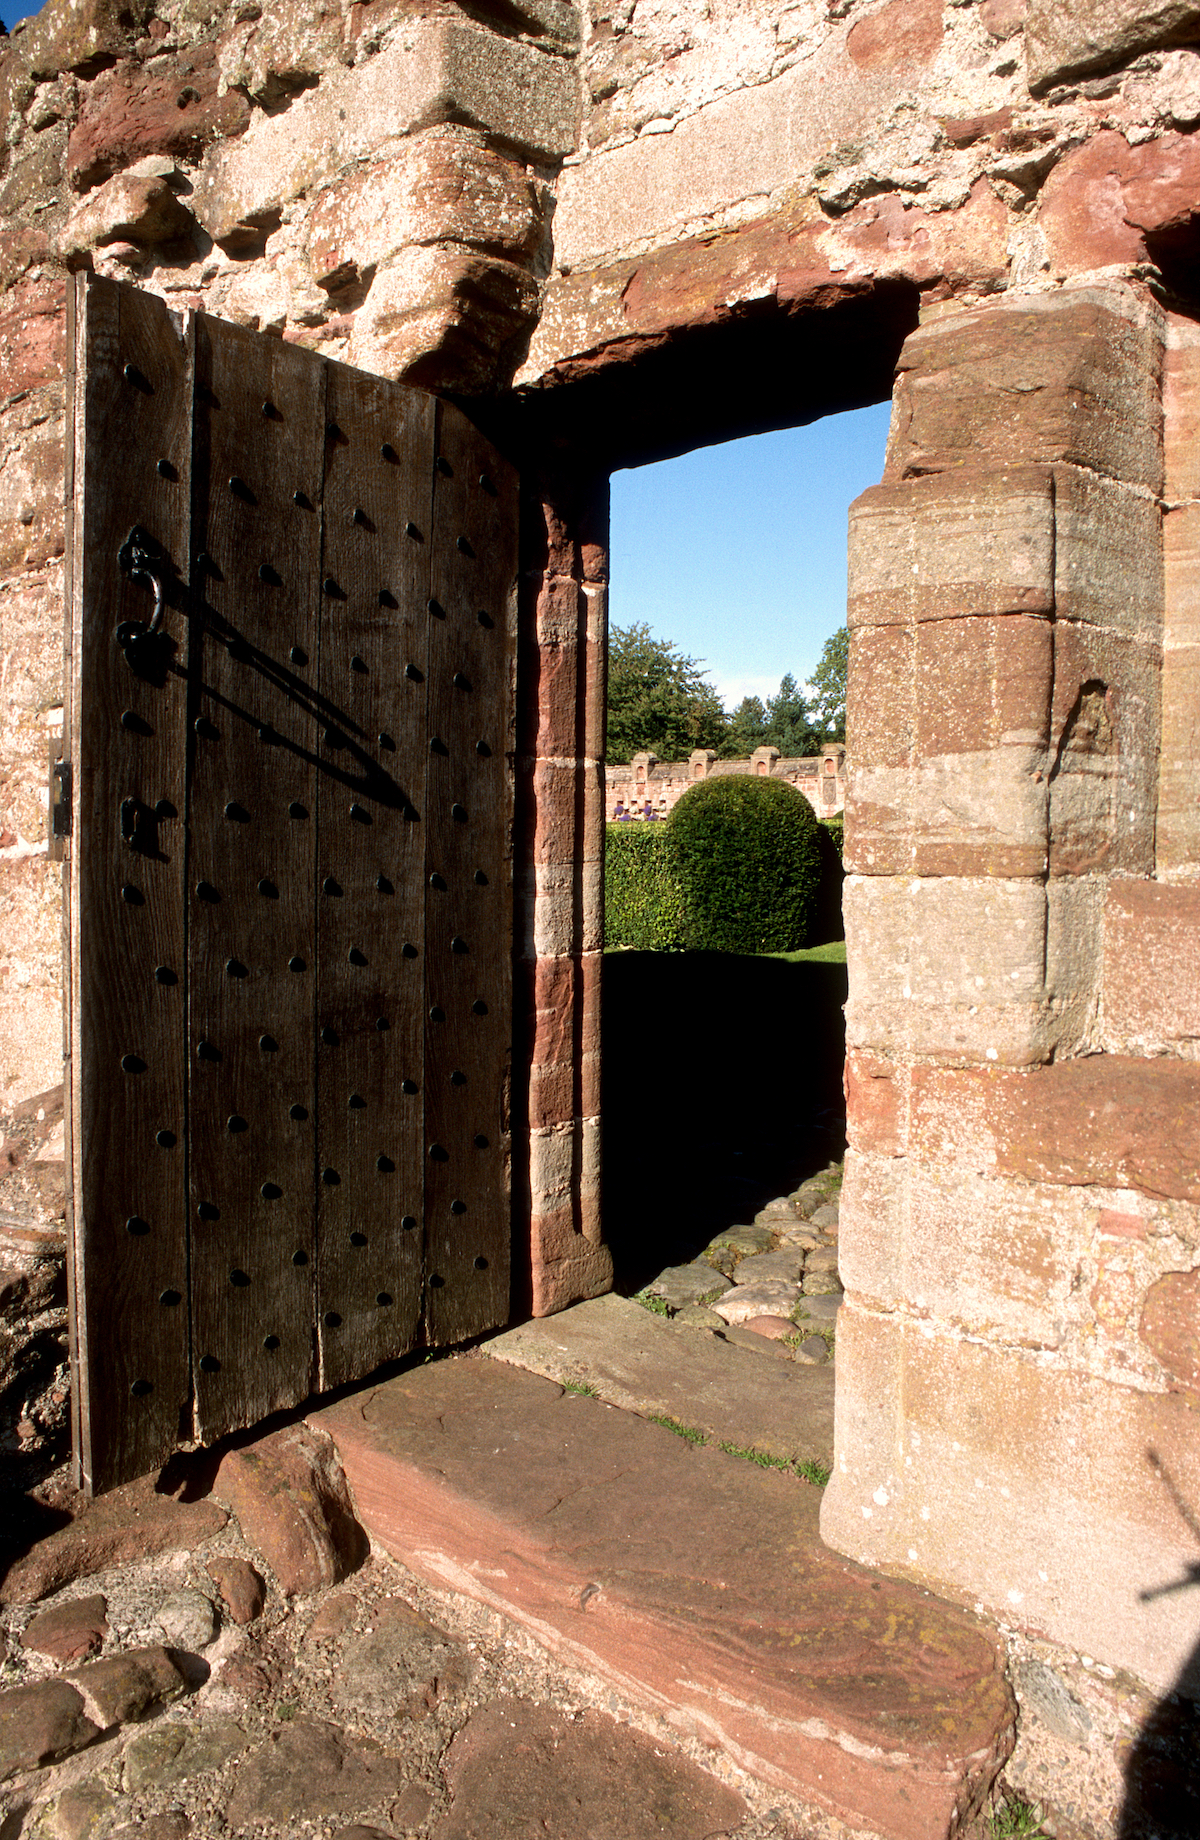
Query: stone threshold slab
x=694 y=1582
x=645 y=1363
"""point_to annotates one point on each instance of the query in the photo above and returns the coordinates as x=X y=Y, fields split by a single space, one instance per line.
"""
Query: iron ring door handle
x=142 y=557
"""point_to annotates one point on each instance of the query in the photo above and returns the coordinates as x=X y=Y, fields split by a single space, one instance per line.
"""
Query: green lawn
x=832 y=954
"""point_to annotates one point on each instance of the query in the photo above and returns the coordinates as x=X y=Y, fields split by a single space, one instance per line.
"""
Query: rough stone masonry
x=624 y=232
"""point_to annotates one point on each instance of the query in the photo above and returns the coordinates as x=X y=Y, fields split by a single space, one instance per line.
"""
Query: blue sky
x=738 y=552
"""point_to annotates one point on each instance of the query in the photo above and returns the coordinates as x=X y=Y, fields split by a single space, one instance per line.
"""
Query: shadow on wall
x=1162 y=1775
x=722 y=1089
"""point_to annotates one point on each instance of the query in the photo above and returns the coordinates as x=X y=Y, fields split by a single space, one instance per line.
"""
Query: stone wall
x=660 y=784
x=621 y=234
x=1020 y=1218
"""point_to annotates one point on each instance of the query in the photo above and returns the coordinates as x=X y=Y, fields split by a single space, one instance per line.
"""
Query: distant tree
x=747 y=729
x=658 y=699
x=828 y=686
x=790 y=726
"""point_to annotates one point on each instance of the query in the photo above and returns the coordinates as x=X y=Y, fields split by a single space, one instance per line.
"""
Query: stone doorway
x=990 y=934
x=722 y=1084
x=714 y=382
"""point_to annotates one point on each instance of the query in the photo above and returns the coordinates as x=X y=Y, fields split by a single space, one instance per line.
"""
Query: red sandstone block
x=1151 y=964
x=1107 y=554
x=1181 y=570
x=985 y=1256
x=32 y=336
x=561 y=1278
x=444 y=184
x=1178 y=829
x=22 y=247
x=1069 y=377
x=901 y=34
x=1152 y=188
x=1170 y=1328
x=31 y=508
x=593 y=665
x=566 y=997
x=564 y=1190
x=879 y=696
x=560 y=1091
x=1115 y=1225
x=1025 y=1485
x=962 y=542
x=130 y=111
x=564 y=681
x=79 y=37
x=567 y=811
x=1109 y=1120
x=561 y=612
x=965 y=130
x=968 y=969
x=289 y=1493
x=568 y=1258
x=876 y=1103
x=559 y=1236
x=40 y=1724
x=1078 y=235
x=982 y=683
x=1073 y=40
x=568 y=534
x=1181 y=409
x=974 y=710
x=1105 y=741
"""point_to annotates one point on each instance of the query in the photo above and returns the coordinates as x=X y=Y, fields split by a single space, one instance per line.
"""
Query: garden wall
x=621 y=235
x=662 y=783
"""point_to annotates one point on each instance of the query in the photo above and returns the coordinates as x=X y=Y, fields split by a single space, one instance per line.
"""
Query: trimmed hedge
x=748 y=855
x=642 y=904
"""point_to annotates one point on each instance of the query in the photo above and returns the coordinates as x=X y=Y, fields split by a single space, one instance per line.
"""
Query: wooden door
x=290 y=652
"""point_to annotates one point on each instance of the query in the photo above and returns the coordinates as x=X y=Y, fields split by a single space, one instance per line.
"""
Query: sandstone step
x=647 y=1364
x=694 y=1582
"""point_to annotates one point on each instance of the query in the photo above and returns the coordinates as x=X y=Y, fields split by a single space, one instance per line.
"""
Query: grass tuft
x=684 y=1431
x=1015 y=1819
x=580 y=1386
x=806 y=1469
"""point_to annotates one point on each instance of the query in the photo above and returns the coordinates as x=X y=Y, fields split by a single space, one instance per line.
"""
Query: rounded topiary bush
x=642 y=905
x=747 y=855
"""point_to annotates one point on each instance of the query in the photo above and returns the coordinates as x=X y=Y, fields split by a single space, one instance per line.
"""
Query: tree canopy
x=661 y=701
x=790 y=723
x=658 y=698
x=829 y=686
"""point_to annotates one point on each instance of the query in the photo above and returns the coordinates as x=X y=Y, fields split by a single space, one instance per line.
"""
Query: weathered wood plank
x=289 y=885
x=468 y=893
x=257 y=718
x=128 y=744
x=71 y=602
x=370 y=932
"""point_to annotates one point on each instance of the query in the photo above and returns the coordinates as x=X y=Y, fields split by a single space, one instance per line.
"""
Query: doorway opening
x=722 y=1082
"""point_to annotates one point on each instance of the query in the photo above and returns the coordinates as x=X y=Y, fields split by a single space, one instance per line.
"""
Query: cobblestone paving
x=375 y=1708
x=161 y=1682
x=157 y=1678
x=772 y=1281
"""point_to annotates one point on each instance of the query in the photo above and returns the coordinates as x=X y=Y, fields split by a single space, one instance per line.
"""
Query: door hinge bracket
x=60 y=802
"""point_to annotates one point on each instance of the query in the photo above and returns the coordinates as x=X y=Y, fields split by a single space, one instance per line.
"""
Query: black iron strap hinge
x=60 y=801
